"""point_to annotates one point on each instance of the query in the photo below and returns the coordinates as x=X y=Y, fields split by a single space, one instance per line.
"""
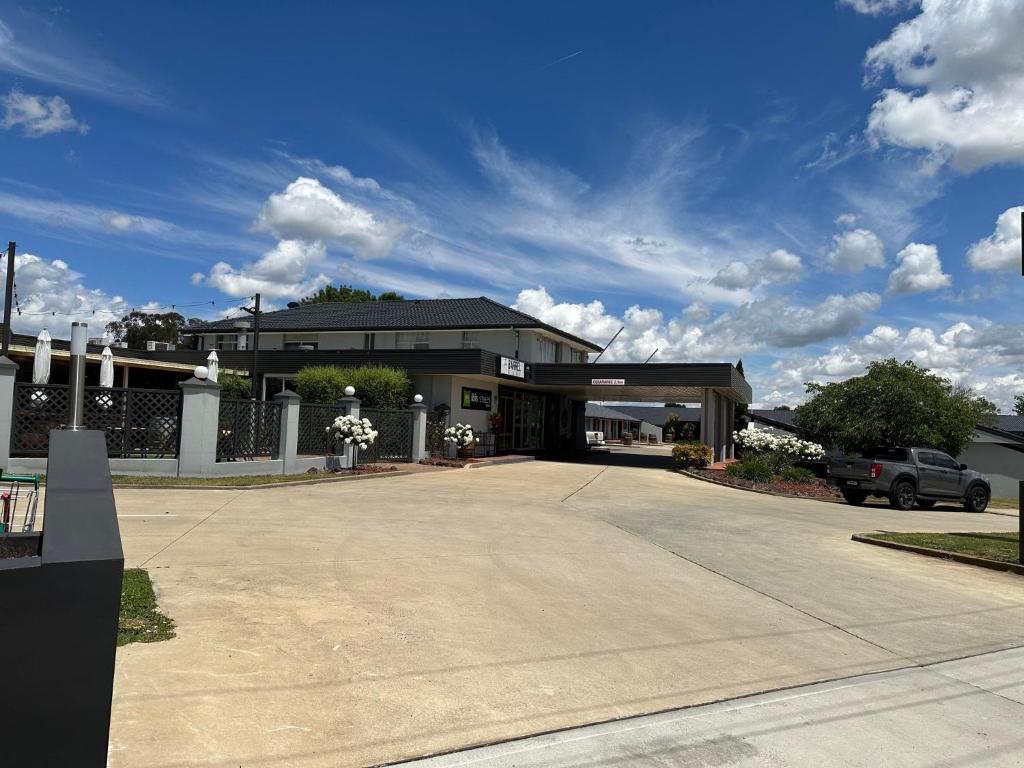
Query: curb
x=942 y=554
x=765 y=491
x=263 y=486
x=503 y=462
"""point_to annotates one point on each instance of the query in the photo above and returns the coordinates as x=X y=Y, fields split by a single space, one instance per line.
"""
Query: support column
x=200 y=411
x=730 y=444
x=350 y=407
x=709 y=422
x=8 y=371
x=419 y=432
x=288 y=445
x=721 y=410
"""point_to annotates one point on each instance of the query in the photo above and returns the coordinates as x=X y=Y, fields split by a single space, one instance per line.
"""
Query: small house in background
x=614 y=423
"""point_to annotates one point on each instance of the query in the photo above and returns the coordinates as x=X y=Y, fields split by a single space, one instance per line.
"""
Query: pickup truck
x=909 y=477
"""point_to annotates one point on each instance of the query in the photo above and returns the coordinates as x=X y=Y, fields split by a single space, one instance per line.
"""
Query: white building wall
x=1003 y=465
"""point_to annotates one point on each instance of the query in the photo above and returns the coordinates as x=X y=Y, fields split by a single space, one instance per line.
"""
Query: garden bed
x=996 y=550
x=818 y=489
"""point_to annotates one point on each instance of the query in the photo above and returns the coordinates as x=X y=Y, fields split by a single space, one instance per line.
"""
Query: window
x=944 y=461
x=369 y=340
x=225 y=341
x=471 y=339
x=299 y=341
x=412 y=340
x=577 y=356
x=548 y=350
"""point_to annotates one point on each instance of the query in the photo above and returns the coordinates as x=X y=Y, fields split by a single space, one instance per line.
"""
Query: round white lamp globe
x=350 y=391
x=201 y=372
x=417 y=398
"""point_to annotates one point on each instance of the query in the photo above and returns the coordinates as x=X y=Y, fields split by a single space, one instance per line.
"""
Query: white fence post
x=200 y=424
x=419 y=432
x=288 y=446
x=350 y=406
x=8 y=371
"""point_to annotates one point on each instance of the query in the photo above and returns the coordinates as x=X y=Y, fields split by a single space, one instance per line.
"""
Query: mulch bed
x=819 y=489
x=436 y=462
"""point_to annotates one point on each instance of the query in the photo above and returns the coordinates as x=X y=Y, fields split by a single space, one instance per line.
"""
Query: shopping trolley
x=19 y=496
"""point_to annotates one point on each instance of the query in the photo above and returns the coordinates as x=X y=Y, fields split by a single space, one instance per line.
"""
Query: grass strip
x=1001 y=547
x=141 y=620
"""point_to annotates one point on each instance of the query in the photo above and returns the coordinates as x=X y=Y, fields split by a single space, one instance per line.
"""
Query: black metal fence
x=314 y=419
x=248 y=429
x=437 y=423
x=137 y=423
x=394 y=435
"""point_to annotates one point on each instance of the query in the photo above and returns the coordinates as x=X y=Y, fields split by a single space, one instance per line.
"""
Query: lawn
x=991 y=546
x=141 y=620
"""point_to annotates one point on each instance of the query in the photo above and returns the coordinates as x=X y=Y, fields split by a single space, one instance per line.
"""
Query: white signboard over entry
x=511 y=367
x=608 y=382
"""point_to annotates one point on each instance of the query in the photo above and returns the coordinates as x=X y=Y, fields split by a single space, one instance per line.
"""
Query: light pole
x=8 y=298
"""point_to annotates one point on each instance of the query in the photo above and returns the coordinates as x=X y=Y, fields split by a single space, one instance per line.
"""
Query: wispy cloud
x=559 y=61
x=52 y=57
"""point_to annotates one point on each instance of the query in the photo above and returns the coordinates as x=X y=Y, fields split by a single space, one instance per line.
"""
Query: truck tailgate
x=850 y=469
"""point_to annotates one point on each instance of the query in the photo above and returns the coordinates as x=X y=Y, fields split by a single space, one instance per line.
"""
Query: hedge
x=376 y=386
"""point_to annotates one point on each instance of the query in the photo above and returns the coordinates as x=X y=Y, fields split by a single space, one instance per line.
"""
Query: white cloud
x=986 y=356
x=39 y=116
x=777 y=267
x=281 y=273
x=1001 y=249
x=879 y=7
x=961 y=76
x=753 y=326
x=45 y=55
x=307 y=210
x=853 y=250
x=46 y=287
x=919 y=270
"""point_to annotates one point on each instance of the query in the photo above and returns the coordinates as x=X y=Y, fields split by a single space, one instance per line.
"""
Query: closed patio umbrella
x=212 y=364
x=107 y=368
x=41 y=362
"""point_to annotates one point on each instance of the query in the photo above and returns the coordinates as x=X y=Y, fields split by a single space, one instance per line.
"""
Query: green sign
x=476 y=399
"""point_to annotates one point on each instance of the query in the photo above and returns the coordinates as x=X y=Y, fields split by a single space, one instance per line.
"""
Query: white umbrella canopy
x=107 y=368
x=41 y=361
x=212 y=365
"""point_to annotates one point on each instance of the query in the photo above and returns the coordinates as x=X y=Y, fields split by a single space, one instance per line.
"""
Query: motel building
x=476 y=358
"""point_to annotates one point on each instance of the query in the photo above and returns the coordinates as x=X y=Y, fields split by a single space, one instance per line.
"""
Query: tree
x=234 y=387
x=376 y=386
x=671 y=427
x=346 y=294
x=894 y=404
x=136 y=328
x=1018 y=405
x=741 y=413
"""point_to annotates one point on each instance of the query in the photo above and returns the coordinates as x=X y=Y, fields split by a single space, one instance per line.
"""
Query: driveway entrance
x=355 y=623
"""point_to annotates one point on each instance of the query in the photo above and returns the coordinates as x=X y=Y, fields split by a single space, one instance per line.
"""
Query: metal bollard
x=76 y=393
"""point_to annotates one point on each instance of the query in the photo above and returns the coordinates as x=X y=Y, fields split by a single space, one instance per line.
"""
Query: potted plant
x=495 y=420
x=462 y=437
x=627 y=438
x=345 y=431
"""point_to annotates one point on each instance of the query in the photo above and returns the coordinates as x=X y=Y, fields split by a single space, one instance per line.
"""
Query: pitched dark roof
x=657 y=414
x=779 y=416
x=410 y=315
x=1010 y=423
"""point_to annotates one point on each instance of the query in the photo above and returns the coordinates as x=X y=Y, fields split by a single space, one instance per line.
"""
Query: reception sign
x=508 y=366
x=476 y=399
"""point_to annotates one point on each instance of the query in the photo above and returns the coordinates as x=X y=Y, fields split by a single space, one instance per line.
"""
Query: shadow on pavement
x=616 y=457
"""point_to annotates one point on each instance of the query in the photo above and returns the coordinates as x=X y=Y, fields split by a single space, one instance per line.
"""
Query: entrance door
x=522 y=420
x=506 y=409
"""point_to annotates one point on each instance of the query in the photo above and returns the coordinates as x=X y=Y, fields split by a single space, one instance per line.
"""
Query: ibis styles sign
x=476 y=399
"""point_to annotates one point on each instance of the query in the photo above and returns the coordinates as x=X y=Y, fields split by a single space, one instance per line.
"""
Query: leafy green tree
x=1018 y=405
x=894 y=404
x=346 y=294
x=234 y=387
x=136 y=328
x=376 y=386
x=671 y=428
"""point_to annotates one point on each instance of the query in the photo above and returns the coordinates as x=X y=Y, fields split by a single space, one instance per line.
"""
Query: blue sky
x=806 y=185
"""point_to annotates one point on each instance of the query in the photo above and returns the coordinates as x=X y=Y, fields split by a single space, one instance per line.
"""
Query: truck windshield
x=886 y=454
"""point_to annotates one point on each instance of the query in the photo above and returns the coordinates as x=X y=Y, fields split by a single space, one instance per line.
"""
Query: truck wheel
x=923 y=504
x=903 y=496
x=976 y=499
x=856 y=498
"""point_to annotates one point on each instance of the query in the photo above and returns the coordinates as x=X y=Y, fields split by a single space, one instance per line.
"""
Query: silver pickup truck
x=909 y=477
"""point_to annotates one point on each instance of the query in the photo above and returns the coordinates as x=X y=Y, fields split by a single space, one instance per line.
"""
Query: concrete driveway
x=357 y=623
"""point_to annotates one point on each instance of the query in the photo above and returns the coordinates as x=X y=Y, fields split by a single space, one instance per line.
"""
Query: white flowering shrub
x=461 y=436
x=758 y=440
x=353 y=431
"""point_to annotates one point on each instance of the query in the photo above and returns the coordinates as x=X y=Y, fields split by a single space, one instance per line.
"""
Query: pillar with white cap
x=200 y=410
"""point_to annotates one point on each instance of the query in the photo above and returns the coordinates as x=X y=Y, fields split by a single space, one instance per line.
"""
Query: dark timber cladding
x=658 y=382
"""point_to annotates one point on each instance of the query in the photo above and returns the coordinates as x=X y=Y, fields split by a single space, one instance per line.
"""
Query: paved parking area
x=358 y=623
